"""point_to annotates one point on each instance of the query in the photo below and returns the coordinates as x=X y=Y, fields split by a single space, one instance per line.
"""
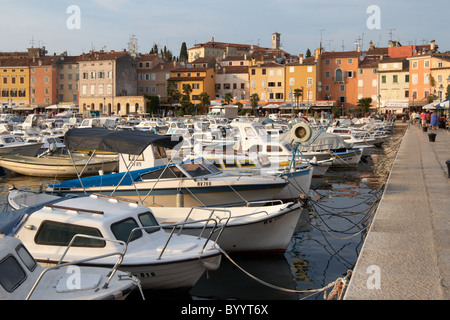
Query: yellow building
x=302 y=75
x=218 y=50
x=14 y=83
x=267 y=80
x=440 y=73
x=200 y=80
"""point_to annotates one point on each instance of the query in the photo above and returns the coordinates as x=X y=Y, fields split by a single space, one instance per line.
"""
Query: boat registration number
x=204 y=184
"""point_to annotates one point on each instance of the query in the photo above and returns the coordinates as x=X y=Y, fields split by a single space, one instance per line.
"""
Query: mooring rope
x=338 y=285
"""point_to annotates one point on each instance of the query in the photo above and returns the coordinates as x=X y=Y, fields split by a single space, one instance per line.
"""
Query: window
x=415 y=79
x=406 y=78
x=342 y=87
x=349 y=74
x=309 y=69
x=327 y=74
x=26 y=257
x=395 y=78
x=309 y=82
x=426 y=63
x=339 y=75
x=383 y=79
x=5 y=80
x=414 y=64
x=11 y=274
x=327 y=62
x=148 y=220
x=292 y=81
x=291 y=69
x=426 y=78
x=253 y=72
x=60 y=234
x=349 y=61
x=271 y=84
x=122 y=230
x=263 y=71
x=338 y=61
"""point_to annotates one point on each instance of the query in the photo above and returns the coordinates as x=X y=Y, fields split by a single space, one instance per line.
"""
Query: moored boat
x=57 y=166
x=158 y=259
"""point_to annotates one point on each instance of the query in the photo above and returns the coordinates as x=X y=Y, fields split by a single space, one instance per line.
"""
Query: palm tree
x=227 y=98
x=186 y=98
x=204 y=99
x=254 y=99
x=364 y=104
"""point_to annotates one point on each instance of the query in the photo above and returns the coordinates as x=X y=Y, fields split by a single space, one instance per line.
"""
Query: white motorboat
x=259 y=227
x=197 y=182
x=160 y=260
x=14 y=144
x=22 y=278
x=262 y=229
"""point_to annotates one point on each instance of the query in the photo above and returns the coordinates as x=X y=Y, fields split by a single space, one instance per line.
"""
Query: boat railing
x=217 y=220
x=111 y=273
x=174 y=226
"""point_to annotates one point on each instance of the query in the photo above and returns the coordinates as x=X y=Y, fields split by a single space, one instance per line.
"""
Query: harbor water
x=324 y=247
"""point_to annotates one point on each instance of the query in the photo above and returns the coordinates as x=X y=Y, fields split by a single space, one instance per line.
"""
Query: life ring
x=301 y=132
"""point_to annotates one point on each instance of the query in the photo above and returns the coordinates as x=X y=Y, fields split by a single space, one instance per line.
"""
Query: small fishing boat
x=14 y=144
x=160 y=260
x=22 y=278
x=258 y=227
x=57 y=166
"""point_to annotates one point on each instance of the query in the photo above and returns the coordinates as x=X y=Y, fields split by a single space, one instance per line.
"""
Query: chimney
x=371 y=45
x=300 y=58
x=432 y=45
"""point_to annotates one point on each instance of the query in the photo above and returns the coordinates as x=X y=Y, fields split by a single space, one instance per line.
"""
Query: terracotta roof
x=235 y=58
x=183 y=69
x=232 y=69
x=15 y=62
x=186 y=78
x=306 y=62
x=98 y=55
x=147 y=57
x=341 y=54
x=269 y=64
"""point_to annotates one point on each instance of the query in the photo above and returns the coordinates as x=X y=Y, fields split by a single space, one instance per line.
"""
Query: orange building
x=419 y=79
x=44 y=81
x=339 y=78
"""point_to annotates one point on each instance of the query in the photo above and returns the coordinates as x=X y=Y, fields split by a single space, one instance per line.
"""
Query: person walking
x=434 y=123
x=423 y=118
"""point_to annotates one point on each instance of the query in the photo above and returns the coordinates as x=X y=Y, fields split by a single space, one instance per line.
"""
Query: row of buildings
x=120 y=82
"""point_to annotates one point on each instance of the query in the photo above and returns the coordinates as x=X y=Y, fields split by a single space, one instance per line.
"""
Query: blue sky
x=108 y=24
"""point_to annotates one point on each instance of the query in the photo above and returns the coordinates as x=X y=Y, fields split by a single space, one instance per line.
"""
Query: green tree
x=186 y=97
x=173 y=95
x=364 y=105
x=227 y=98
x=308 y=53
x=183 y=53
x=154 y=50
x=254 y=99
x=152 y=104
x=204 y=99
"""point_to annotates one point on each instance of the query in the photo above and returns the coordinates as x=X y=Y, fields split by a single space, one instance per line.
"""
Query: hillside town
x=395 y=79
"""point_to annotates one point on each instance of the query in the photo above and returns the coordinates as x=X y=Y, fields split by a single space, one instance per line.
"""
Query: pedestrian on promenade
x=434 y=123
x=423 y=118
x=412 y=118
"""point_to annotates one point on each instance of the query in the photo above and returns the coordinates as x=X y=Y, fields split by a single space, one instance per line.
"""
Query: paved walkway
x=406 y=255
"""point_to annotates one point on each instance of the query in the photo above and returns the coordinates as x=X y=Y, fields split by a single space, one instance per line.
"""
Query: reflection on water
x=343 y=203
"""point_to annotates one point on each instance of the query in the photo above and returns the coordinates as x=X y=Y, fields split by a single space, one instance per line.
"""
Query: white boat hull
x=54 y=167
x=189 y=192
x=267 y=231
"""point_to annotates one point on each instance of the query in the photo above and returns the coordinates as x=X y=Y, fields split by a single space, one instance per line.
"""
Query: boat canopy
x=127 y=142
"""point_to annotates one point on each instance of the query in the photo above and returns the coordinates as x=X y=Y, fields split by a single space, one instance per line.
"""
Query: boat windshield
x=198 y=168
x=148 y=220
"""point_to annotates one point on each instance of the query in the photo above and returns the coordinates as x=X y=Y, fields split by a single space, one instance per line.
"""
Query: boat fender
x=180 y=199
x=301 y=132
